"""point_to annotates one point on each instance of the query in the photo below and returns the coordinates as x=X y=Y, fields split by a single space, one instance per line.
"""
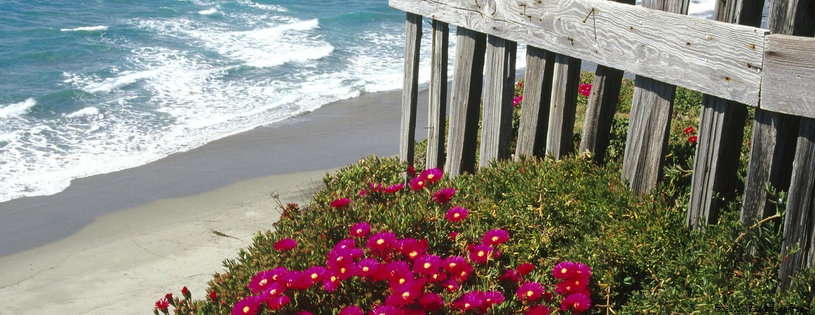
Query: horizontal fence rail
x=734 y=63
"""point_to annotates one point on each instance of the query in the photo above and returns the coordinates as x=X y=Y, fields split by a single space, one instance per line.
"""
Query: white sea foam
x=85 y=29
x=267 y=7
x=125 y=79
x=17 y=109
x=210 y=11
x=87 y=111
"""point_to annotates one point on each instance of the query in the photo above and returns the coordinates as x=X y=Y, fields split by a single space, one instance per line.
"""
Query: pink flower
x=564 y=270
x=360 y=229
x=510 y=275
x=316 y=273
x=525 y=268
x=406 y=293
x=381 y=241
x=584 y=89
x=482 y=253
x=444 y=195
x=450 y=285
x=457 y=214
x=578 y=302
x=277 y=302
x=417 y=183
x=411 y=171
x=340 y=202
x=367 y=267
x=262 y=280
x=352 y=310
x=427 y=264
x=458 y=267
x=412 y=248
x=394 y=188
x=331 y=282
x=303 y=313
x=162 y=304
x=693 y=139
x=453 y=235
x=469 y=301
x=495 y=237
x=296 y=280
x=573 y=284
x=185 y=292
x=538 y=310
x=688 y=130
x=432 y=175
x=492 y=298
x=213 y=295
x=431 y=301
x=362 y=193
x=386 y=310
x=517 y=100
x=284 y=244
x=530 y=291
x=247 y=306
x=274 y=289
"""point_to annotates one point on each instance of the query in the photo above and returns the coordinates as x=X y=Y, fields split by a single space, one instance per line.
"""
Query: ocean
x=97 y=86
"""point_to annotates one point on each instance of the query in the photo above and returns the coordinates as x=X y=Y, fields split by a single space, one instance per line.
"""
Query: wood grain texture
x=499 y=87
x=647 y=139
x=789 y=75
x=602 y=103
x=721 y=129
x=799 y=221
x=534 y=122
x=715 y=170
x=563 y=106
x=437 y=104
x=465 y=101
x=711 y=57
x=410 y=88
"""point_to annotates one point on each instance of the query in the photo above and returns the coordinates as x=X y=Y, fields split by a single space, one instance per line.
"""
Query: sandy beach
x=115 y=243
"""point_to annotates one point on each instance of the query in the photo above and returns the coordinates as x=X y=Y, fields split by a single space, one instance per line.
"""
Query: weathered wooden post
x=410 y=88
x=650 y=120
x=721 y=130
x=465 y=101
x=535 y=104
x=602 y=104
x=437 y=104
x=563 y=106
x=499 y=83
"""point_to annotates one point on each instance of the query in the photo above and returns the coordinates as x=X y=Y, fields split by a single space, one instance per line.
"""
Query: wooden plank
x=602 y=104
x=410 y=88
x=499 y=87
x=535 y=104
x=563 y=105
x=465 y=101
x=715 y=170
x=719 y=59
x=647 y=139
x=789 y=75
x=437 y=105
x=721 y=129
x=799 y=228
x=650 y=122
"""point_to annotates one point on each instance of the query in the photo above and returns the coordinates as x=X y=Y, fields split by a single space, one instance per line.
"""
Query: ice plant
x=457 y=214
x=431 y=301
x=352 y=310
x=284 y=244
x=530 y=291
x=538 y=310
x=525 y=268
x=432 y=175
x=482 y=253
x=417 y=183
x=162 y=304
x=584 y=89
x=381 y=242
x=495 y=237
x=247 y=306
x=510 y=275
x=492 y=298
x=261 y=281
x=578 y=302
x=564 y=270
x=469 y=301
x=693 y=139
x=360 y=229
x=517 y=100
x=688 y=131
x=394 y=188
x=213 y=295
x=412 y=248
x=444 y=195
x=340 y=202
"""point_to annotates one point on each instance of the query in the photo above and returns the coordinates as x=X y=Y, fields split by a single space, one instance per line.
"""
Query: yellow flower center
x=402 y=281
x=481 y=253
x=430 y=176
x=262 y=282
x=314 y=276
x=413 y=254
x=452 y=265
x=564 y=270
x=333 y=278
x=380 y=241
x=406 y=295
x=435 y=276
x=495 y=238
x=365 y=269
x=246 y=309
x=426 y=265
x=342 y=270
x=530 y=293
x=273 y=291
x=456 y=215
x=339 y=258
x=466 y=305
x=359 y=231
x=463 y=273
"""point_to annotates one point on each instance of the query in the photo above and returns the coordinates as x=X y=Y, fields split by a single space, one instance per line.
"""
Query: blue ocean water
x=94 y=86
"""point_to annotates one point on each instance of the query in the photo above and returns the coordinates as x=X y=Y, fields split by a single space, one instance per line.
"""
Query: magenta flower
x=406 y=293
x=578 y=302
x=693 y=139
x=386 y=310
x=495 y=237
x=330 y=282
x=346 y=243
x=411 y=171
x=492 y=298
x=482 y=253
x=162 y=304
x=381 y=241
x=412 y=248
x=450 y=285
x=458 y=267
x=564 y=269
x=444 y=195
x=688 y=130
x=584 y=89
x=469 y=301
x=582 y=271
x=432 y=175
x=457 y=214
x=360 y=229
x=277 y=302
x=303 y=313
x=510 y=275
x=340 y=202
x=274 y=289
x=572 y=284
x=417 y=183
x=530 y=291
x=247 y=306
x=517 y=100
x=284 y=244
x=525 y=268
x=394 y=188
x=437 y=276
x=367 y=267
x=262 y=280
x=453 y=235
x=316 y=273
x=427 y=264
x=352 y=310
x=431 y=301
x=297 y=280
x=538 y=310
x=362 y=193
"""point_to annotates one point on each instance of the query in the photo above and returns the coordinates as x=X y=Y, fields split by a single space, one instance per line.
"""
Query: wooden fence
x=733 y=62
